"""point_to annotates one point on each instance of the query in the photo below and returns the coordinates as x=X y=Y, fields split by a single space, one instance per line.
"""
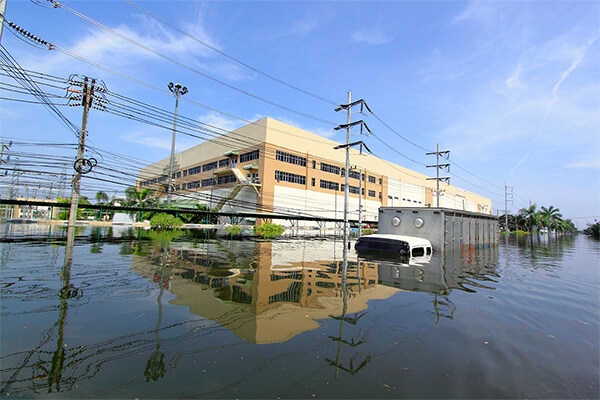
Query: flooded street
x=139 y=314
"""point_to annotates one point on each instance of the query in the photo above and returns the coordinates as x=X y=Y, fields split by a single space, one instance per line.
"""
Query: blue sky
x=512 y=89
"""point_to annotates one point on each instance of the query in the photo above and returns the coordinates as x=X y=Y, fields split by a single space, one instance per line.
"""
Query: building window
x=195 y=170
x=355 y=175
x=379 y=195
x=209 y=166
x=183 y=186
x=179 y=174
x=224 y=163
x=380 y=181
x=290 y=158
x=176 y=187
x=330 y=168
x=252 y=155
x=193 y=185
x=314 y=164
x=208 y=182
x=185 y=172
x=224 y=179
x=390 y=197
x=162 y=179
x=352 y=189
x=329 y=185
x=313 y=181
x=371 y=193
x=289 y=177
x=372 y=179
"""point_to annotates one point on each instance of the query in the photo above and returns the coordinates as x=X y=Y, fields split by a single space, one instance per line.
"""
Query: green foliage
x=268 y=230
x=233 y=229
x=81 y=213
x=163 y=236
x=101 y=197
x=368 y=231
x=593 y=230
x=165 y=221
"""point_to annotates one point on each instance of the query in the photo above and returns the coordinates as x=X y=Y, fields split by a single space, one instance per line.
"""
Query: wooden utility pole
x=88 y=92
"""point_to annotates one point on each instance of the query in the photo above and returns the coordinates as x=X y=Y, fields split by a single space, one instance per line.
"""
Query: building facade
x=269 y=166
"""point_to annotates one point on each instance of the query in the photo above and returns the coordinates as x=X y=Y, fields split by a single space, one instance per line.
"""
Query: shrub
x=268 y=230
x=165 y=221
x=233 y=229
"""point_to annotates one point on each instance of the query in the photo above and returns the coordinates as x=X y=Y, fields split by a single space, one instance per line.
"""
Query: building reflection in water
x=267 y=298
x=270 y=291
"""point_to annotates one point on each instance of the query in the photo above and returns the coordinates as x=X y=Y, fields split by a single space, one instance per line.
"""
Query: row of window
x=221 y=180
x=330 y=168
x=290 y=158
x=289 y=177
x=329 y=185
x=252 y=155
x=209 y=167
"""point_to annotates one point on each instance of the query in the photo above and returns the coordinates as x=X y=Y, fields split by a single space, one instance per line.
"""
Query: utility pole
x=348 y=126
x=177 y=91
x=2 y=13
x=508 y=192
x=88 y=92
x=437 y=167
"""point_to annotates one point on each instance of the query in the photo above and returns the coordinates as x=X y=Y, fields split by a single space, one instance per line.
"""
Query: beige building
x=269 y=166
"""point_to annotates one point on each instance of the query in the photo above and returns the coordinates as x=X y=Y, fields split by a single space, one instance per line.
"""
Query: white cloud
x=218 y=120
x=159 y=139
x=477 y=11
x=372 y=36
x=587 y=162
x=513 y=81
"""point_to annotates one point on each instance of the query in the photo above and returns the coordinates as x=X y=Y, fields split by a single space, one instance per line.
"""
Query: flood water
x=135 y=314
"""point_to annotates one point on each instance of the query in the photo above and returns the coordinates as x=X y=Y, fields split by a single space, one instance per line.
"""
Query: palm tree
x=531 y=215
x=550 y=217
x=101 y=197
x=139 y=198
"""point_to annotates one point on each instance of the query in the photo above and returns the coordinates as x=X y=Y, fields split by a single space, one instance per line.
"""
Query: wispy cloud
x=218 y=120
x=107 y=48
x=372 y=36
x=158 y=139
x=301 y=28
x=586 y=162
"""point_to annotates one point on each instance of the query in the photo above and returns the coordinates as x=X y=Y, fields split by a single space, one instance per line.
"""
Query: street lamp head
x=177 y=89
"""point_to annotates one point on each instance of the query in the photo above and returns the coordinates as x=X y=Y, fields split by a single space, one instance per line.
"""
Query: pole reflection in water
x=155 y=367
x=66 y=292
x=352 y=320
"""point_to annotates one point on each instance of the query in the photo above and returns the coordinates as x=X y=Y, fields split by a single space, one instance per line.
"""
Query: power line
x=165 y=22
x=188 y=67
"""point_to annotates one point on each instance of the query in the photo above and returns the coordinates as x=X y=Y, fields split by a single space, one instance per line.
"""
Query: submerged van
x=394 y=244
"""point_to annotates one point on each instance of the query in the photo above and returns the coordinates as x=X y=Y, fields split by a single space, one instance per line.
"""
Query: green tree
x=139 y=198
x=101 y=197
x=550 y=217
x=593 y=230
x=531 y=216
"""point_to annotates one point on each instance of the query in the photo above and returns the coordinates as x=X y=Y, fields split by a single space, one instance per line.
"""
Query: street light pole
x=177 y=91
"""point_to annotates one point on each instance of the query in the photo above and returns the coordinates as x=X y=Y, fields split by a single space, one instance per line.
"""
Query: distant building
x=269 y=166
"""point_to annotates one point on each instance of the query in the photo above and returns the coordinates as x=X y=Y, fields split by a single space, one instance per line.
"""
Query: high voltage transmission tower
x=348 y=126
x=438 y=167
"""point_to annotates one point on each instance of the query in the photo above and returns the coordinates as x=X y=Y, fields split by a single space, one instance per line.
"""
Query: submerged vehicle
x=394 y=244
